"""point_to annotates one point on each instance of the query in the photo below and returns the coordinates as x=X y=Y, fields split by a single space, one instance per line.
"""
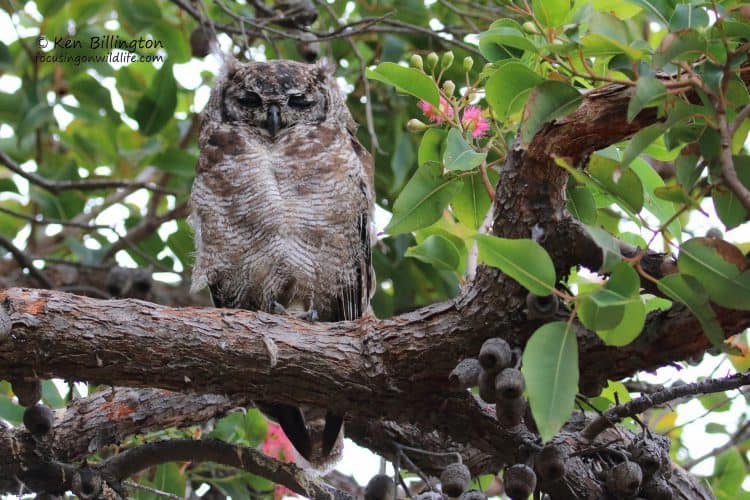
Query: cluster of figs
x=638 y=471
x=39 y=420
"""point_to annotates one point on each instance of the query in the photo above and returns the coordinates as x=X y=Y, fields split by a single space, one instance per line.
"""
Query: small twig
x=25 y=261
x=455 y=454
x=638 y=405
x=82 y=185
x=486 y=180
x=154 y=491
x=48 y=221
x=741 y=116
x=742 y=433
x=145 y=228
x=251 y=460
x=374 y=145
x=414 y=468
x=728 y=172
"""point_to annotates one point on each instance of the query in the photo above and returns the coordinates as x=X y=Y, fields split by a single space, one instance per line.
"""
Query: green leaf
x=459 y=155
x=181 y=243
x=648 y=92
x=523 y=260
x=51 y=395
x=169 y=479
x=621 y=288
x=423 y=199
x=549 y=100
x=728 y=207
x=255 y=427
x=402 y=159
x=175 y=39
x=407 y=80
x=175 y=161
x=139 y=14
x=9 y=411
x=156 y=107
x=611 y=255
x=508 y=88
x=550 y=368
x=689 y=291
x=721 y=268
x=663 y=210
x=674 y=193
x=581 y=204
x=471 y=203
x=88 y=91
x=662 y=9
x=729 y=473
x=551 y=13
x=596 y=316
x=621 y=183
x=715 y=401
x=49 y=8
x=641 y=141
x=605 y=309
x=682 y=45
x=633 y=319
x=504 y=41
x=32 y=119
x=429 y=147
x=688 y=16
x=596 y=45
x=437 y=251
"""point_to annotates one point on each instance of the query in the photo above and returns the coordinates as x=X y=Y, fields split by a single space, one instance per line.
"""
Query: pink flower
x=474 y=122
x=277 y=445
x=445 y=112
x=280 y=492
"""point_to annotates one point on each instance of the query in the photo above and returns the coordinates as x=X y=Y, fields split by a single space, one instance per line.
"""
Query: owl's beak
x=273 y=120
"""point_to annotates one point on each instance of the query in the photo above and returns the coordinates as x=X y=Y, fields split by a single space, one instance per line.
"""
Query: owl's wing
x=354 y=299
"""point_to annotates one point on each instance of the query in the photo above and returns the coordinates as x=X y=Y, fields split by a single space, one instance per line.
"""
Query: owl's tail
x=319 y=444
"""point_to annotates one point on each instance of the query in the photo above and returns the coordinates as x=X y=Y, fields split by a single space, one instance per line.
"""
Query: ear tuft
x=326 y=68
x=229 y=66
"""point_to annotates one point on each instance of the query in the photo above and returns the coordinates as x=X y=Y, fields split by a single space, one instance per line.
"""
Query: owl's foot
x=311 y=315
x=277 y=308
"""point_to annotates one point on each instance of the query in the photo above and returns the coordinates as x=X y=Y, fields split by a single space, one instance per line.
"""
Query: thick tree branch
x=368 y=369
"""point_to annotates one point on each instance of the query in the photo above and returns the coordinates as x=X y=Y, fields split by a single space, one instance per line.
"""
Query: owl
x=282 y=208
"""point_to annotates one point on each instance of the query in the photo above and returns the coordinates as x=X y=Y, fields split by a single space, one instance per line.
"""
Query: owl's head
x=275 y=95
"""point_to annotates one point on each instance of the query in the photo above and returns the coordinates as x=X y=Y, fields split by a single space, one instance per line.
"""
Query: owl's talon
x=277 y=308
x=311 y=315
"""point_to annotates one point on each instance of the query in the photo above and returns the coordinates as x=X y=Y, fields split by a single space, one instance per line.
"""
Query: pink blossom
x=277 y=445
x=281 y=491
x=445 y=112
x=474 y=122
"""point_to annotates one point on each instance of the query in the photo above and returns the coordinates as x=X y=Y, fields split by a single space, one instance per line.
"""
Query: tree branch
x=251 y=460
x=617 y=413
x=82 y=185
x=25 y=262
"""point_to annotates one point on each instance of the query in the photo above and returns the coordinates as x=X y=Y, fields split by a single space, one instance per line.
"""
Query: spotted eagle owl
x=282 y=207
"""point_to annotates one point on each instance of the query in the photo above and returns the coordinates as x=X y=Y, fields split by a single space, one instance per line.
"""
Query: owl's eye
x=250 y=100
x=299 y=101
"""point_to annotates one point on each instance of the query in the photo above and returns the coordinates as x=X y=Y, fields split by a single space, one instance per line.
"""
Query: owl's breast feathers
x=290 y=218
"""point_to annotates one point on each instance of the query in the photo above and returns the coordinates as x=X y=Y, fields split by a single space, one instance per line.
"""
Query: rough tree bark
x=388 y=376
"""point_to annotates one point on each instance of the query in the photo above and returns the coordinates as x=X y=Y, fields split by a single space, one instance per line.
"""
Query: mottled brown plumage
x=282 y=207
